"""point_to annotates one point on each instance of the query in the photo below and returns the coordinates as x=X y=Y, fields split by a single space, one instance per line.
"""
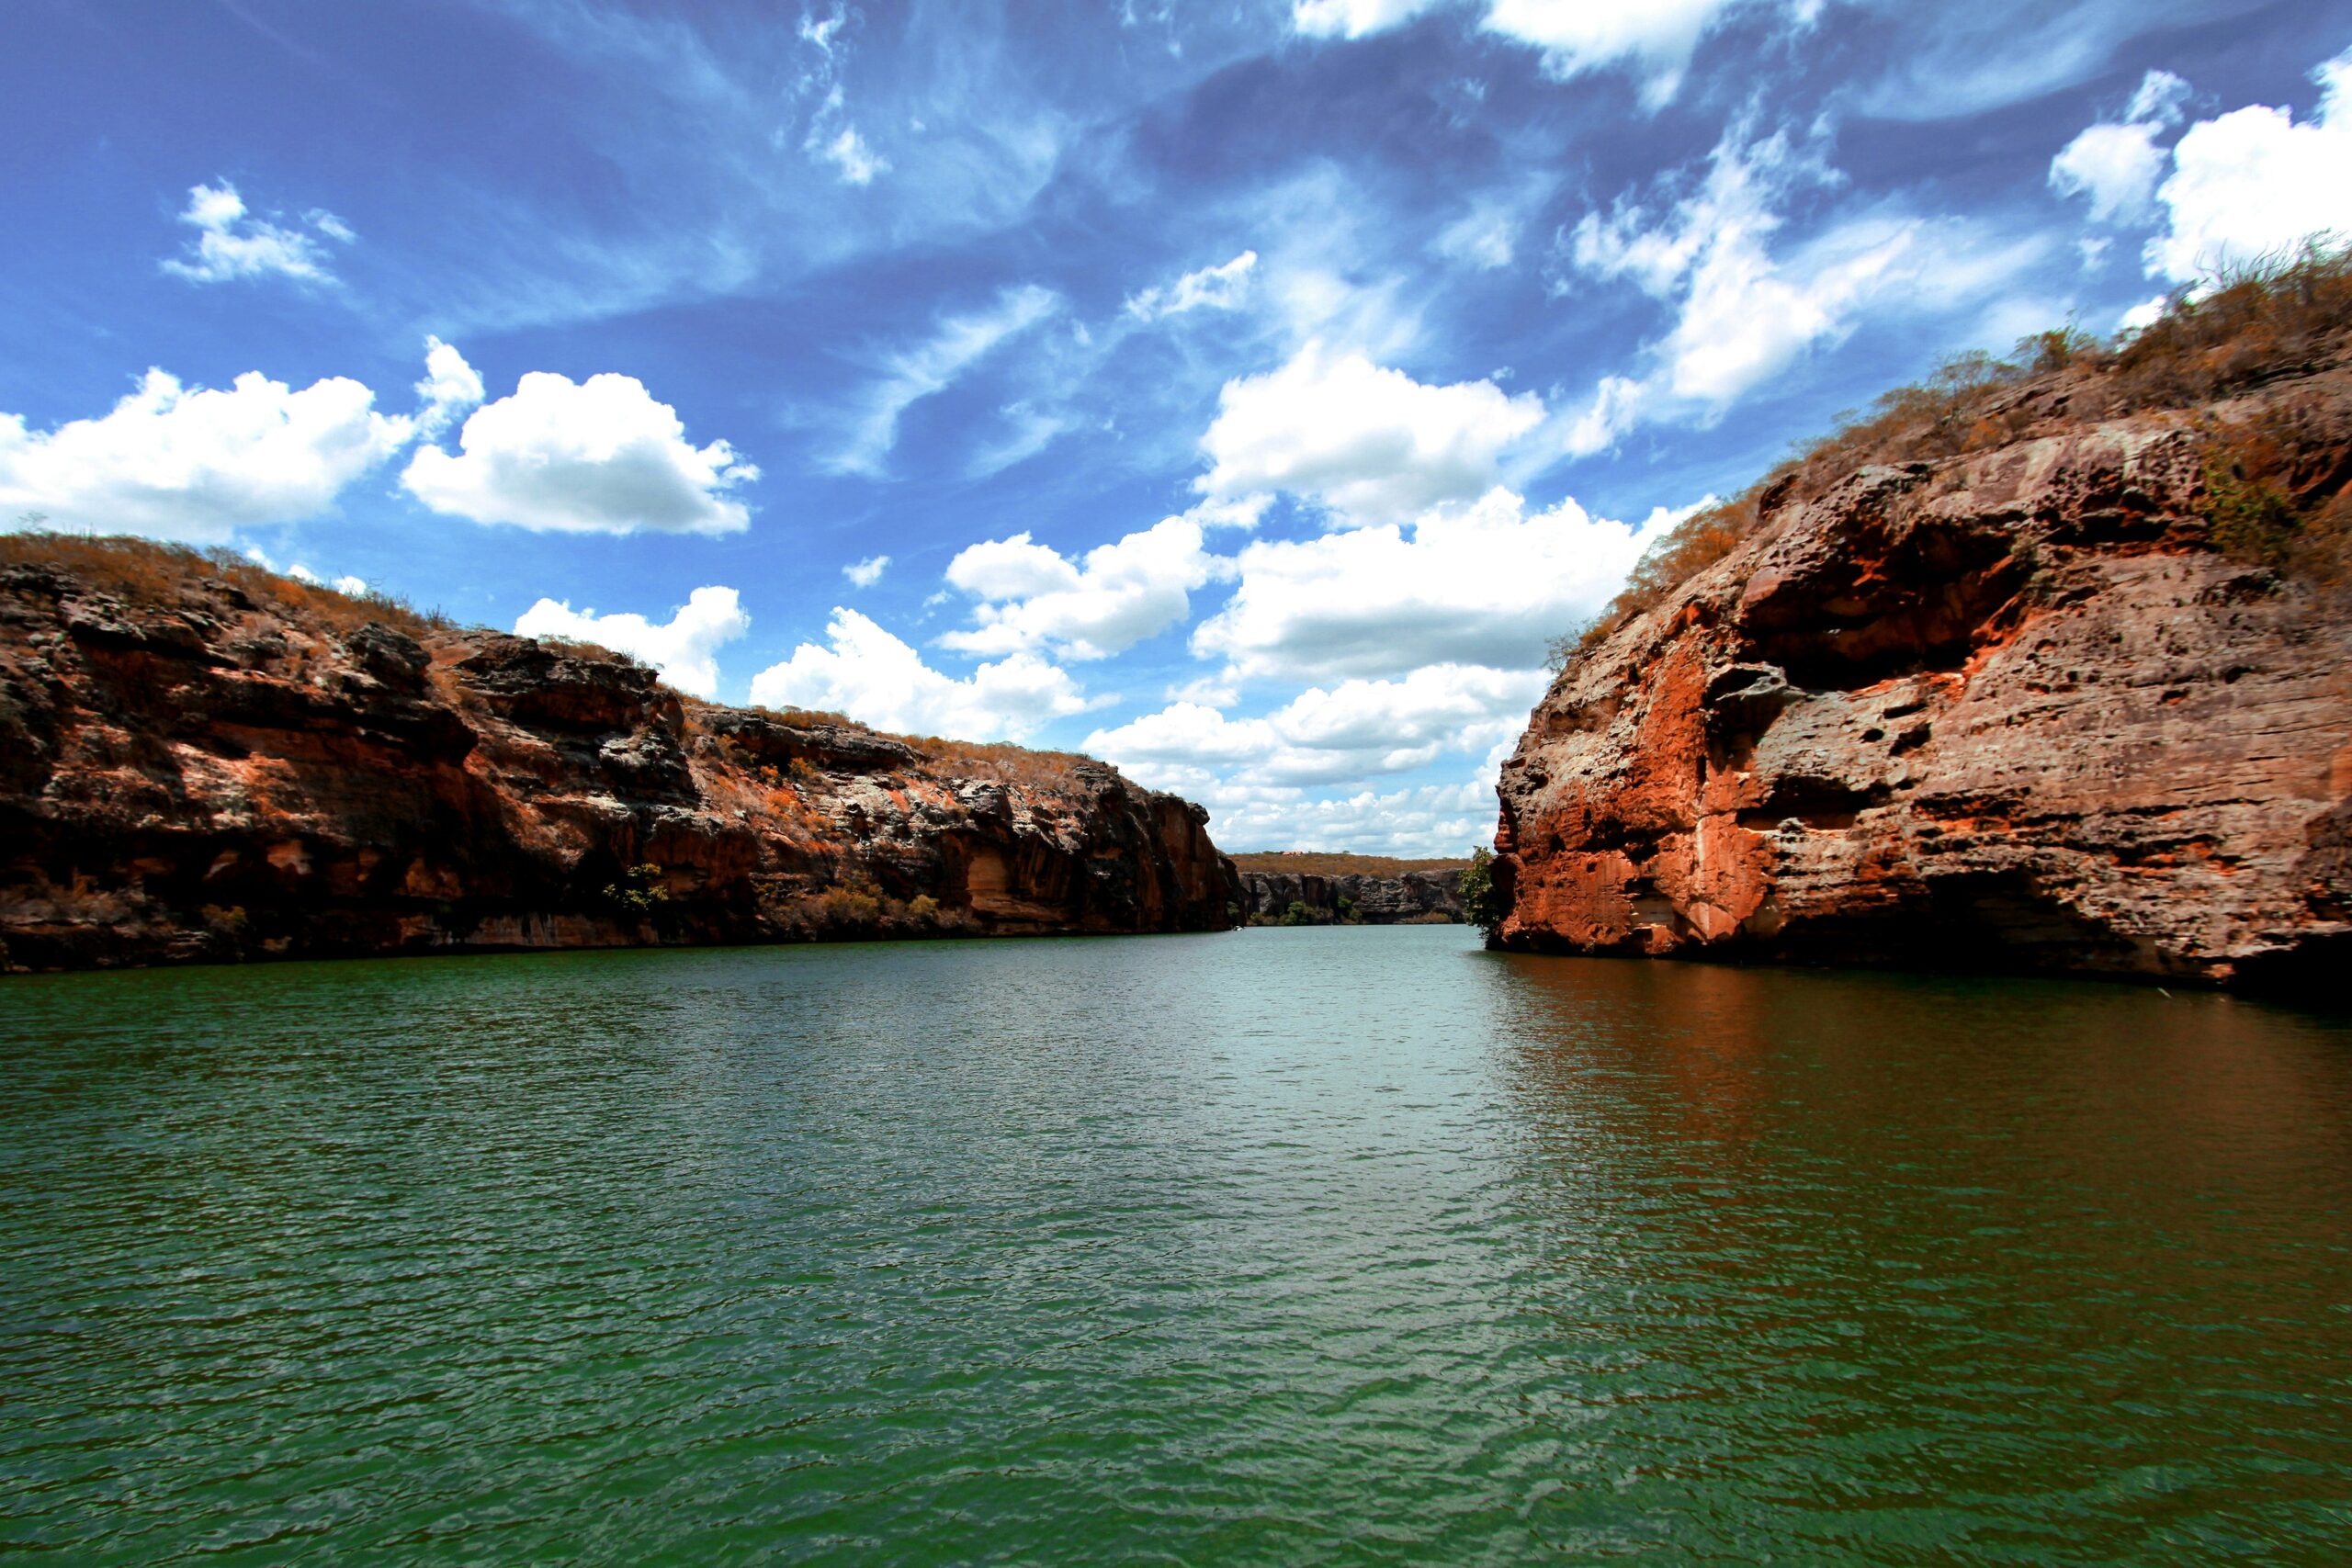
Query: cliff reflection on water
x=1315 y=1245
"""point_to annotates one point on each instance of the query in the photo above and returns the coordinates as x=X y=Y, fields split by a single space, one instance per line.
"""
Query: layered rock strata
x=220 y=768
x=2013 y=710
x=1409 y=897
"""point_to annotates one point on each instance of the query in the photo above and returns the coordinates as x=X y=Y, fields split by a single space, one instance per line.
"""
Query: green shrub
x=641 y=889
x=1482 y=901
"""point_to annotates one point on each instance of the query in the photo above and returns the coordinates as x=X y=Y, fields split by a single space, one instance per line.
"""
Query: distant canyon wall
x=206 y=763
x=1423 y=895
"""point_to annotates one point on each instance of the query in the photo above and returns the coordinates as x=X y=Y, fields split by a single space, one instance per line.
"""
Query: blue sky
x=1242 y=391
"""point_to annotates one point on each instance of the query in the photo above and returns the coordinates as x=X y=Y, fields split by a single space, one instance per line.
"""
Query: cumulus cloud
x=1351 y=731
x=685 y=649
x=2116 y=165
x=1030 y=596
x=1220 y=287
x=450 y=386
x=2253 y=182
x=231 y=244
x=1370 y=443
x=867 y=572
x=865 y=671
x=192 y=464
x=593 y=456
x=912 y=373
x=1486 y=585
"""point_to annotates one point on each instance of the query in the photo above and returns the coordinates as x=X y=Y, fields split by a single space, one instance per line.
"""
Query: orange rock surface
x=2012 y=709
x=207 y=764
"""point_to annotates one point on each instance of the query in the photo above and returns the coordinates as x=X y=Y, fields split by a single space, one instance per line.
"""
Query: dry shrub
x=2272 y=493
x=2246 y=324
x=808 y=718
x=2251 y=323
x=1000 y=760
x=163 y=577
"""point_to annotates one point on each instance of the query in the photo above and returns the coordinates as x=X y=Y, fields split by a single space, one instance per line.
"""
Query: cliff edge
x=201 y=760
x=2066 y=685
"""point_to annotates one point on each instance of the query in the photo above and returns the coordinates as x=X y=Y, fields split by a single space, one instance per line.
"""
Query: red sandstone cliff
x=199 y=761
x=2015 y=707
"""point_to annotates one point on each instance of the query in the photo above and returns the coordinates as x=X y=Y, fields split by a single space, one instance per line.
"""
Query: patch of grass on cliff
x=1001 y=761
x=2272 y=493
x=161 y=577
x=2249 y=324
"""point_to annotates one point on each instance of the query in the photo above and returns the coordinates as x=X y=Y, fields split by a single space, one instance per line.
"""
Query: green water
x=1287 y=1247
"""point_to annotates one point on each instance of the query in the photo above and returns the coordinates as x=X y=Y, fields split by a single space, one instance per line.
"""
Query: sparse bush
x=642 y=890
x=2249 y=323
x=1482 y=902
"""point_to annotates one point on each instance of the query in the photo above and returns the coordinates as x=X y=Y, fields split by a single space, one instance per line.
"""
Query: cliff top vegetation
x=151 y=575
x=2244 y=328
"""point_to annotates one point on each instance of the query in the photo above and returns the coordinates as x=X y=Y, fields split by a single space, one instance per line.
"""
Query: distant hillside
x=1314 y=862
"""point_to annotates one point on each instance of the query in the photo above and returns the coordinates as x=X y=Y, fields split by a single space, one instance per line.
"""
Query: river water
x=1281 y=1247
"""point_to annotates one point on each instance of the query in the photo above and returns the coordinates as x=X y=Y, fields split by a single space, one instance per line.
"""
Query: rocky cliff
x=1407 y=897
x=199 y=760
x=2070 y=698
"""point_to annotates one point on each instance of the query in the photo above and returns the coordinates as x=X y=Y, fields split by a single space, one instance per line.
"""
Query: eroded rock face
x=2008 y=711
x=196 y=776
x=1412 y=896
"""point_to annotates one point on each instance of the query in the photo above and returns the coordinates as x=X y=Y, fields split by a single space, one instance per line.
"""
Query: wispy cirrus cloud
x=930 y=366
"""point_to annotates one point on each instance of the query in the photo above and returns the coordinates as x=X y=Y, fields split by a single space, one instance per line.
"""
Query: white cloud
x=2116 y=166
x=1354 y=730
x=450 y=386
x=1352 y=18
x=2141 y=316
x=685 y=649
x=876 y=678
x=1617 y=403
x=932 y=366
x=231 y=244
x=2158 y=98
x=1114 y=597
x=597 y=457
x=1488 y=585
x=867 y=572
x=1742 y=314
x=2252 y=183
x=1579 y=35
x=1370 y=443
x=1220 y=287
x=192 y=464
x=849 y=153
x=355 y=586
x=1485 y=238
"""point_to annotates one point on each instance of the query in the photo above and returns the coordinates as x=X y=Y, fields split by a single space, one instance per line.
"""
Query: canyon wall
x=199 y=761
x=1411 y=895
x=2016 y=708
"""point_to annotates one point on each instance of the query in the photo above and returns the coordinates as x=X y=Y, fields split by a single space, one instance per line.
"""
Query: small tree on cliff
x=1482 y=901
